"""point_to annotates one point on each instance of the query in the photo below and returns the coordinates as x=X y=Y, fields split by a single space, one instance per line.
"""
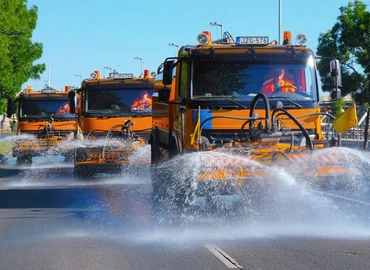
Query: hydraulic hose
x=303 y=130
x=267 y=109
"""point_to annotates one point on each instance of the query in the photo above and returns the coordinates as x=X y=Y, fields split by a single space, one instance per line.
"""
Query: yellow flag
x=80 y=134
x=196 y=134
x=346 y=120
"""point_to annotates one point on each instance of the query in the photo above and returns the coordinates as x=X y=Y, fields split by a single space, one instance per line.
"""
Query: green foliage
x=18 y=52
x=338 y=107
x=349 y=42
x=5 y=148
x=2 y=106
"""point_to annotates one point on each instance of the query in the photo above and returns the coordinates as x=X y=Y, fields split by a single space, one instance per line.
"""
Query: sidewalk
x=5 y=133
x=356 y=144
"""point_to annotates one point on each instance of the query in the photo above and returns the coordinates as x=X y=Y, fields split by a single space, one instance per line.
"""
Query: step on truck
x=222 y=95
x=115 y=119
x=47 y=123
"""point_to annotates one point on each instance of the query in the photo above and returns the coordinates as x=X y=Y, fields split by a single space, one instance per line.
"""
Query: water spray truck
x=211 y=98
x=115 y=119
x=46 y=123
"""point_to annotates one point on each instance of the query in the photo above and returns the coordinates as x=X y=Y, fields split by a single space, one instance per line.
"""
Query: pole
x=280 y=31
x=366 y=133
x=49 y=74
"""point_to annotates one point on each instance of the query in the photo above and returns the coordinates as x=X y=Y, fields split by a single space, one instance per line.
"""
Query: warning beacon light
x=287 y=38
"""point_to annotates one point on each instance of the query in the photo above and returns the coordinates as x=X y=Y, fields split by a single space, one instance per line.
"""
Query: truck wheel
x=80 y=154
x=154 y=148
x=24 y=159
x=69 y=157
x=82 y=172
x=155 y=156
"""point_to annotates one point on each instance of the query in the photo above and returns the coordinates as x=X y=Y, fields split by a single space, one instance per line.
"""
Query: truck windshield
x=126 y=101
x=244 y=80
x=43 y=108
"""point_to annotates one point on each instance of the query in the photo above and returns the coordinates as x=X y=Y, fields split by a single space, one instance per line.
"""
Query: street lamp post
x=110 y=70
x=217 y=24
x=142 y=63
x=78 y=75
x=279 y=21
x=173 y=45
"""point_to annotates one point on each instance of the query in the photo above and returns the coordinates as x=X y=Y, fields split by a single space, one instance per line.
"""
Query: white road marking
x=343 y=198
x=223 y=256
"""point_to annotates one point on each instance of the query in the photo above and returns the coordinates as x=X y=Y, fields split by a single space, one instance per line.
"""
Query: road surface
x=51 y=220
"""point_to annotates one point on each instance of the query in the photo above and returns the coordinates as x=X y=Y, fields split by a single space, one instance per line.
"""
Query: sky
x=80 y=36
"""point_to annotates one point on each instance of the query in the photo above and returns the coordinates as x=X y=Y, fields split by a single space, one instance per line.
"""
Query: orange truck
x=46 y=123
x=115 y=119
x=211 y=97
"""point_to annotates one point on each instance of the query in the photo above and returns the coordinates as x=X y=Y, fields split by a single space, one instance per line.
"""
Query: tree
x=349 y=42
x=18 y=52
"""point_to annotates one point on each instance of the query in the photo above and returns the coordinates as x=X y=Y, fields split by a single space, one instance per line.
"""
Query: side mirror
x=164 y=94
x=335 y=72
x=72 y=101
x=71 y=94
x=167 y=72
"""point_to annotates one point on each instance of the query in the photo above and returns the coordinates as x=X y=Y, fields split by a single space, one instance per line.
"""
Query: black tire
x=82 y=172
x=69 y=157
x=24 y=159
x=154 y=146
x=80 y=154
x=173 y=151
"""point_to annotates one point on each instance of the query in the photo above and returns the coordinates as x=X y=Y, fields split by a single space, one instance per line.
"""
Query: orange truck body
x=46 y=124
x=208 y=98
x=115 y=118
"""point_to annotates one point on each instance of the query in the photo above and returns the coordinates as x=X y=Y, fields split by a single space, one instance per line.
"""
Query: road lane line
x=223 y=256
x=343 y=198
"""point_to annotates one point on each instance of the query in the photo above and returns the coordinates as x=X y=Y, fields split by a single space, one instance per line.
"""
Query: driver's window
x=278 y=79
x=308 y=75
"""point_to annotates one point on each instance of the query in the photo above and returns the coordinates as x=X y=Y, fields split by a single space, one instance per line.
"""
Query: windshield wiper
x=237 y=103
x=141 y=114
x=221 y=98
x=101 y=115
x=64 y=117
x=287 y=99
x=107 y=115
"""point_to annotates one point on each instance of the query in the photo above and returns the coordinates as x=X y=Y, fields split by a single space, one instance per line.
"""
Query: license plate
x=252 y=40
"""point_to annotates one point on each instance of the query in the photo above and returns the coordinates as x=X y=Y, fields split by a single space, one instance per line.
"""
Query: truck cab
x=115 y=117
x=46 y=122
x=224 y=94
